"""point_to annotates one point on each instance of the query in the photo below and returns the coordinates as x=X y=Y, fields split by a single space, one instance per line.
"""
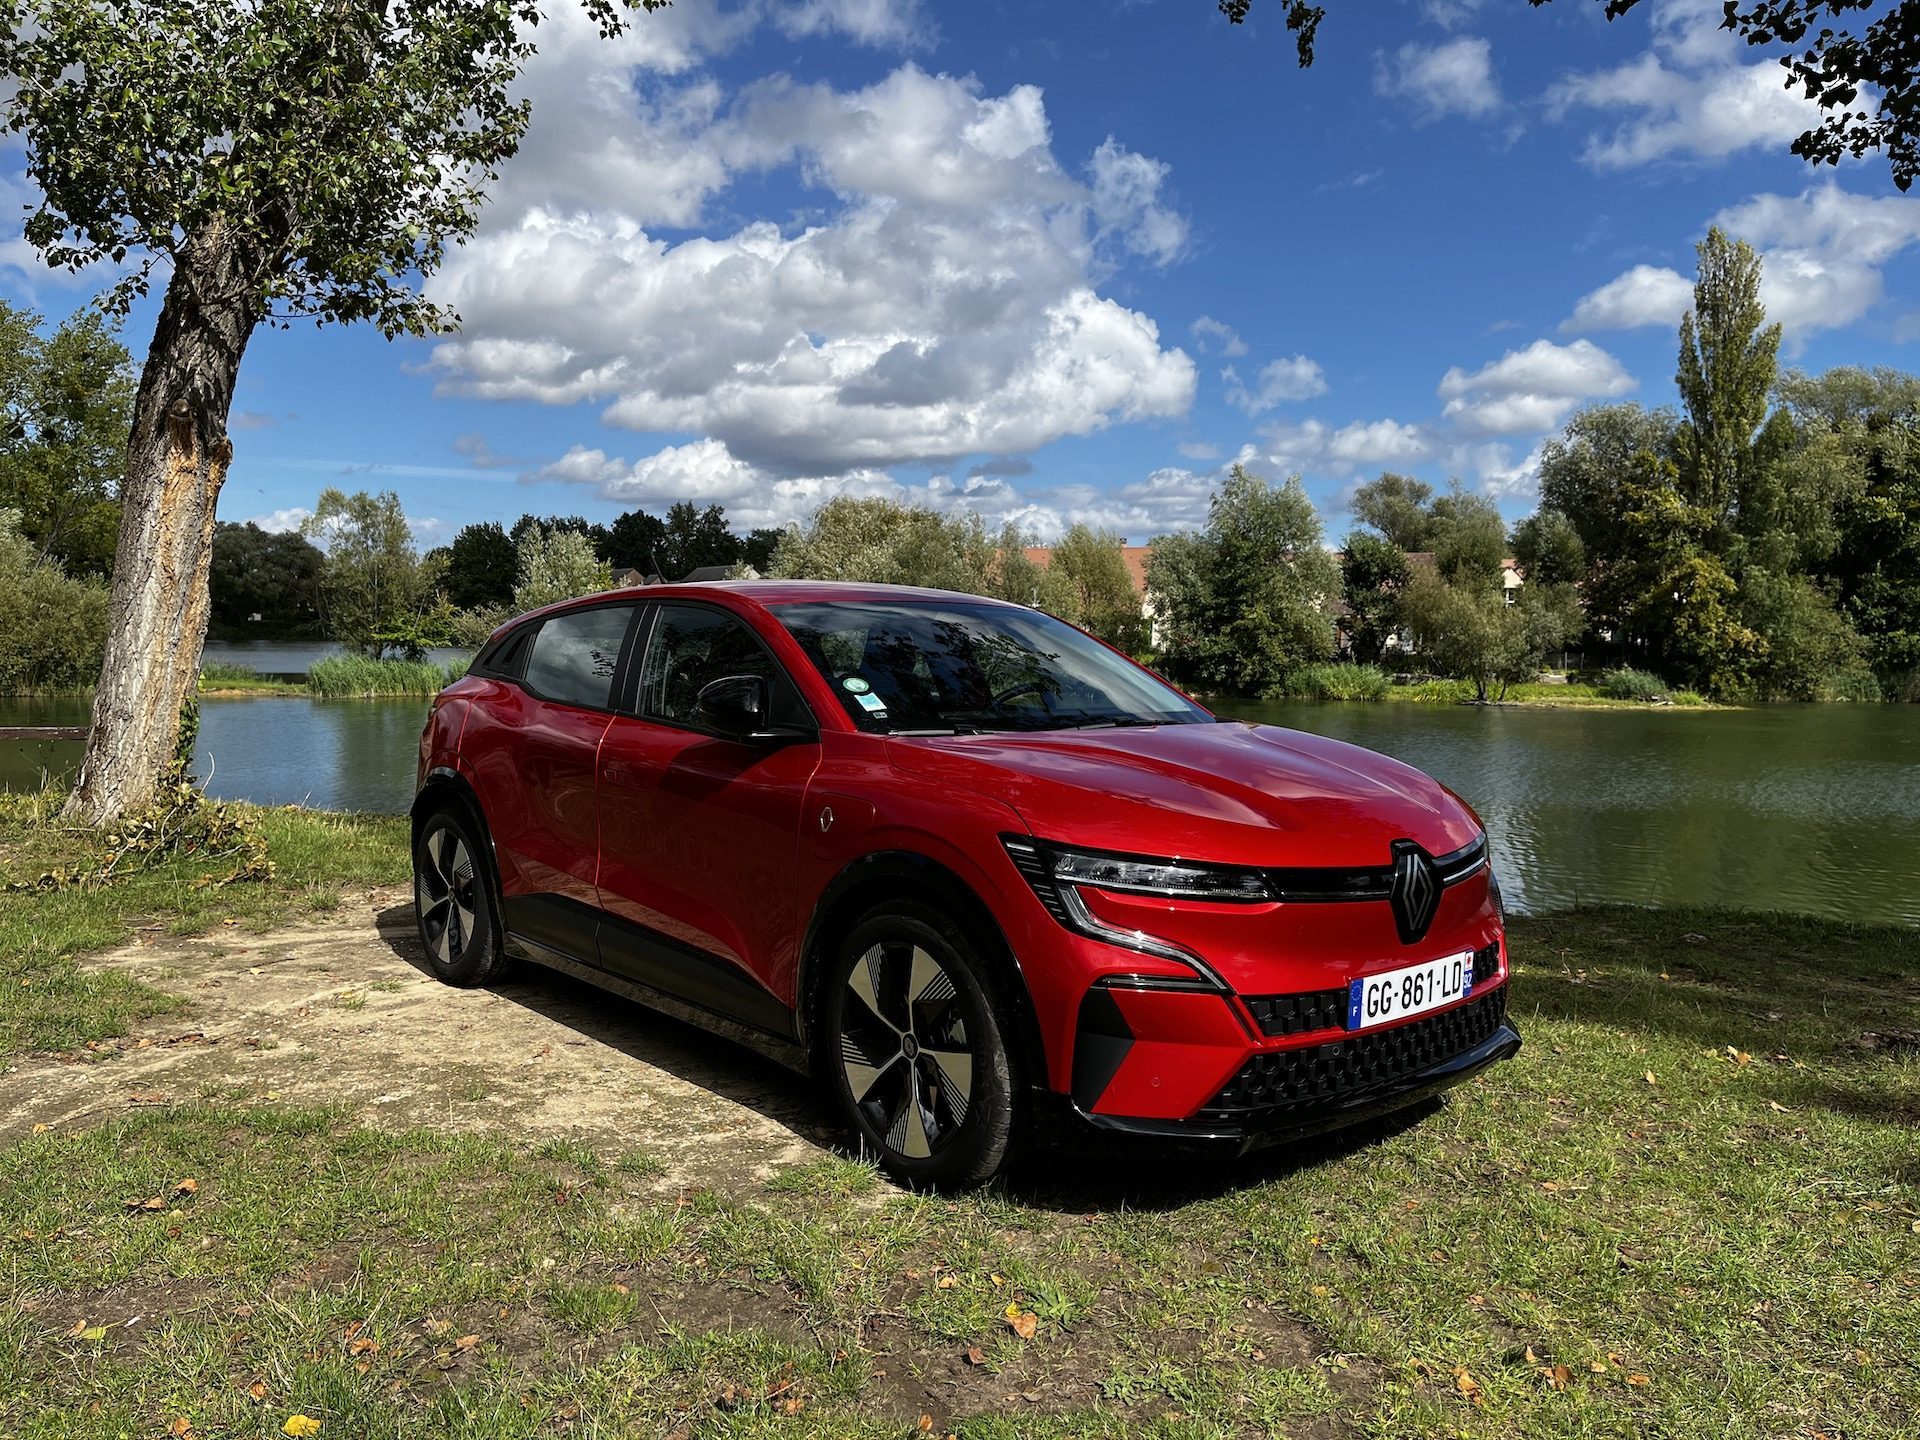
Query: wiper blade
x=1097 y=722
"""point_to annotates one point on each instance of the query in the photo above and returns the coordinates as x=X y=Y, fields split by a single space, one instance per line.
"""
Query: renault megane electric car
x=982 y=874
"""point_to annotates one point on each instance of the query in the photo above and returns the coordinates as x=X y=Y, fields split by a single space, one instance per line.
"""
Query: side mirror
x=734 y=705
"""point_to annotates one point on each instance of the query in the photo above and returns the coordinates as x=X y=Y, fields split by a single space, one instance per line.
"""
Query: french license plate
x=1411 y=990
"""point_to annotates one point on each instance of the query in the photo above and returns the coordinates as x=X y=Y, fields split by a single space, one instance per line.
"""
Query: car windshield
x=904 y=667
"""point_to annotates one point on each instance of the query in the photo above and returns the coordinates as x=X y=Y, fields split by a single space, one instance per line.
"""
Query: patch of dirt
x=341 y=1009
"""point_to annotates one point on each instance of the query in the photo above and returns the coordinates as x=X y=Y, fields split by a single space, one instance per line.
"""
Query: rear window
x=575 y=654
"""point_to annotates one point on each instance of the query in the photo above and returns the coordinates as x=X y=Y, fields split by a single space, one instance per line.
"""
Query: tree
x=1399 y=508
x=1466 y=629
x=1831 y=66
x=1728 y=356
x=481 y=565
x=64 y=402
x=635 y=540
x=299 y=159
x=371 y=583
x=1092 y=568
x=885 y=542
x=1469 y=539
x=272 y=576
x=1581 y=475
x=1548 y=550
x=1251 y=599
x=697 y=538
x=556 y=565
x=52 y=625
x=1373 y=573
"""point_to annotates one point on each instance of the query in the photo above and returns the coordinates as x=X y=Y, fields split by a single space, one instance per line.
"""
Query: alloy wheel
x=444 y=891
x=904 y=1048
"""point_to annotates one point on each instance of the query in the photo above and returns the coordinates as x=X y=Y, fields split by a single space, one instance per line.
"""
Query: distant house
x=628 y=577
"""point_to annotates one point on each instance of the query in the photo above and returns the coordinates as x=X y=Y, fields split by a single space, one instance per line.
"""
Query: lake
x=1810 y=808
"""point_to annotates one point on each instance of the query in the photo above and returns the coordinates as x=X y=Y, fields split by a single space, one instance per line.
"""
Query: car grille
x=1282 y=1015
x=1274 y=1083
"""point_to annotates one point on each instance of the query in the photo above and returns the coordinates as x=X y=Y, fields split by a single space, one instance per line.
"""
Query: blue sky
x=1062 y=263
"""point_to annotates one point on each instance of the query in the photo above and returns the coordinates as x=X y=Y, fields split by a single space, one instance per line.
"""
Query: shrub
x=1437 y=692
x=1630 y=684
x=226 y=672
x=53 y=629
x=340 y=677
x=1855 y=682
x=1332 y=682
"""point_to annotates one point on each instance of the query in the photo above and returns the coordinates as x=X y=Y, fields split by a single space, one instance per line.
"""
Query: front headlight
x=1056 y=874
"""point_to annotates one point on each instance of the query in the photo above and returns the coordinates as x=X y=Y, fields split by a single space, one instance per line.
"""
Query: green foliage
x=1333 y=682
x=370 y=584
x=884 y=542
x=1373 y=573
x=1466 y=629
x=1398 y=508
x=53 y=628
x=1629 y=684
x=556 y=565
x=481 y=565
x=1548 y=550
x=349 y=677
x=1804 y=644
x=1727 y=364
x=65 y=402
x=274 y=576
x=1249 y=598
x=1468 y=537
x=1093 y=575
x=338 y=148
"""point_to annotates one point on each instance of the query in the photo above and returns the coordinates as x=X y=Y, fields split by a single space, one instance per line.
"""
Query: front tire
x=915 y=1048
x=453 y=902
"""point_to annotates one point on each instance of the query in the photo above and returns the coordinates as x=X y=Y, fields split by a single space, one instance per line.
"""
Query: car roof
x=771 y=592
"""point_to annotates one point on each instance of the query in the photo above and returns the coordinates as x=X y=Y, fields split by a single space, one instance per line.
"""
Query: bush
x=225 y=672
x=341 y=677
x=1630 y=684
x=1437 y=692
x=1855 y=683
x=1332 y=682
x=53 y=629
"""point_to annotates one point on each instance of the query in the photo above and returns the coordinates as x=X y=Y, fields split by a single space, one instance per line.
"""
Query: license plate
x=1412 y=990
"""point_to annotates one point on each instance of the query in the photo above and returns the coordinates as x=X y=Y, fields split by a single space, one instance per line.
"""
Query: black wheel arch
x=889 y=875
x=447 y=789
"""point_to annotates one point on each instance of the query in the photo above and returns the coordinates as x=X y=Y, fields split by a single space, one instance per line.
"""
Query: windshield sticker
x=872 y=702
x=855 y=684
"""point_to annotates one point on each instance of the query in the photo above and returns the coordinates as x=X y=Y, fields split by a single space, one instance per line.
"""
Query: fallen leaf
x=41 y=1129
x=998 y=1280
x=622 y=1289
x=1777 y=1107
x=946 y=1282
x=300 y=1425
x=180 y=1426
x=1025 y=1323
x=187 y=1187
x=257 y=1391
x=156 y=1202
x=1638 y=1380
x=439 y=1327
x=1320 y=1292
x=975 y=1355
x=792 y=1405
x=363 y=1346
x=926 y=1424
x=466 y=1342
x=1528 y=1356
x=94 y=1332
x=1467 y=1385
x=79 y=1329
x=1650 y=1079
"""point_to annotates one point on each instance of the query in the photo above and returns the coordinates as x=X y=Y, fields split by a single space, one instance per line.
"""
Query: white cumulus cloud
x=1293 y=378
x=1454 y=77
x=1532 y=390
x=1644 y=295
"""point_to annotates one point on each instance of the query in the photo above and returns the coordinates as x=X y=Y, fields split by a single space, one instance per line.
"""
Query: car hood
x=1228 y=792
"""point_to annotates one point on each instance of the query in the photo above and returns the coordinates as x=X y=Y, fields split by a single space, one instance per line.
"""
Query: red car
x=981 y=873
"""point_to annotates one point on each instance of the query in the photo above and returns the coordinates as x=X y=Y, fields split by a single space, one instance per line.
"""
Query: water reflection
x=1811 y=808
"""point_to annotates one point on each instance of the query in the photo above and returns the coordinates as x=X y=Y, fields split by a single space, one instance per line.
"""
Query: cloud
x=1294 y=378
x=1126 y=203
x=1454 y=77
x=1314 y=447
x=1198 y=450
x=251 y=420
x=1823 y=252
x=481 y=455
x=1526 y=392
x=1644 y=295
x=1689 y=96
x=1207 y=332
x=279 y=522
x=1003 y=465
x=941 y=302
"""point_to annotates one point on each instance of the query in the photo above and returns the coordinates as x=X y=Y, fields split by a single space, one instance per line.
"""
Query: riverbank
x=390 y=1227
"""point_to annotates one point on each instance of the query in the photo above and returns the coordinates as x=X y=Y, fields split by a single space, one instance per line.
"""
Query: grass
x=1692 y=1206
x=52 y=1004
x=1345 y=681
x=356 y=677
x=223 y=677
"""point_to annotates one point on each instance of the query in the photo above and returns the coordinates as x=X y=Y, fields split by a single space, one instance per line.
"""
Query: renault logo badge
x=1415 y=893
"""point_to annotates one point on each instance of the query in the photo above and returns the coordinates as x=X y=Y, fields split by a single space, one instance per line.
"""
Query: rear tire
x=915 y=1048
x=453 y=901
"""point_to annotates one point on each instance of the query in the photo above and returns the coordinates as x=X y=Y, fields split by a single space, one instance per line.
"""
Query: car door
x=534 y=759
x=699 y=833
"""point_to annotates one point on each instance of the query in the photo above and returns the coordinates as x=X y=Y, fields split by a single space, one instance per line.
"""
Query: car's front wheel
x=915 y=1048
x=453 y=902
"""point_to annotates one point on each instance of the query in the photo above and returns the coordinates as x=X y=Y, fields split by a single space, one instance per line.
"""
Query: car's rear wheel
x=915 y=1048
x=453 y=902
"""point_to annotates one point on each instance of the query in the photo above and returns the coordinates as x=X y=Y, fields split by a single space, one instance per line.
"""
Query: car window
x=691 y=647
x=575 y=654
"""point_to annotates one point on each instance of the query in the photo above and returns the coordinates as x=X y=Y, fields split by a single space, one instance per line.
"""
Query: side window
x=692 y=646
x=574 y=656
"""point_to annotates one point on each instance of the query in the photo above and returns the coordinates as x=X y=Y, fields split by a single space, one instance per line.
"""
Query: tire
x=453 y=901
x=915 y=1048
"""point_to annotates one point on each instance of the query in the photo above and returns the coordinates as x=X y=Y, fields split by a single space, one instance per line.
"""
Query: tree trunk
x=177 y=456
